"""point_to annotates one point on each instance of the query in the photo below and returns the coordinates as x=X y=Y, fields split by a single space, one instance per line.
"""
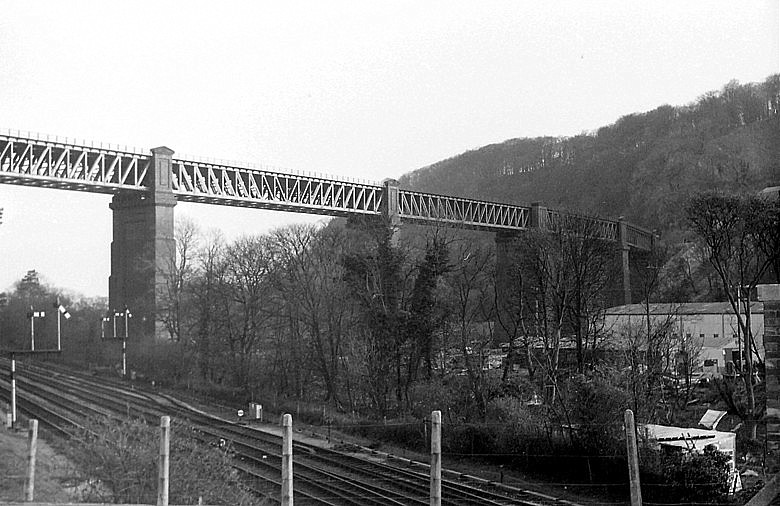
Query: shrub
x=165 y=363
x=685 y=476
x=119 y=462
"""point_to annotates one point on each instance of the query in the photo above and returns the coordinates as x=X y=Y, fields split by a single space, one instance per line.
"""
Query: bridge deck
x=52 y=162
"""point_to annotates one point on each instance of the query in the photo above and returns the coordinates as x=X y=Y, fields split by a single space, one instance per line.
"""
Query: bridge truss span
x=559 y=221
x=427 y=207
x=55 y=162
x=244 y=187
x=51 y=163
x=640 y=238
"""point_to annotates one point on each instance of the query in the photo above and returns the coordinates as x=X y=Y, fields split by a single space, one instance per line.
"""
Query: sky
x=359 y=89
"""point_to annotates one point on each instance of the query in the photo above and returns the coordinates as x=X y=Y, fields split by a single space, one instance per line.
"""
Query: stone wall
x=770 y=295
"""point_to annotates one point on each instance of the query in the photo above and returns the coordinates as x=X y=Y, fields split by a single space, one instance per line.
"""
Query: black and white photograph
x=361 y=253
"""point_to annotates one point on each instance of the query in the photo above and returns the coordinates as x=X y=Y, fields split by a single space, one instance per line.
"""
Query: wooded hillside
x=644 y=166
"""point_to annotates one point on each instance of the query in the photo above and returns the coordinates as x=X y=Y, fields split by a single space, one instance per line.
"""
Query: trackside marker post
x=633 y=459
x=287 y=462
x=13 y=390
x=29 y=483
x=436 y=458
x=164 y=462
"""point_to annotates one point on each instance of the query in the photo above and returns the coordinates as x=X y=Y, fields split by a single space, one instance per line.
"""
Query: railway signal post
x=61 y=311
x=32 y=315
x=126 y=314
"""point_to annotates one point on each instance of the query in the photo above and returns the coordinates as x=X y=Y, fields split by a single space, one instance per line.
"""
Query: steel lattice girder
x=237 y=186
x=56 y=163
x=563 y=222
x=35 y=162
x=460 y=211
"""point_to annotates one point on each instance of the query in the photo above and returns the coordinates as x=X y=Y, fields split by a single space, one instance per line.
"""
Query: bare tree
x=740 y=236
x=567 y=273
x=471 y=282
x=206 y=326
x=375 y=271
x=249 y=262
x=179 y=272
x=310 y=284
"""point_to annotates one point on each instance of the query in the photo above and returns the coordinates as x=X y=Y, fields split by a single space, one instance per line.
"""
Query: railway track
x=62 y=399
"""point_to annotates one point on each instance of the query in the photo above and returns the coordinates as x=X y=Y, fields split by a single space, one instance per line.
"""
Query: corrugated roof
x=683 y=308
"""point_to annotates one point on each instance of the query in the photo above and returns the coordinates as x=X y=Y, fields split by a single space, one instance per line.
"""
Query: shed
x=694 y=439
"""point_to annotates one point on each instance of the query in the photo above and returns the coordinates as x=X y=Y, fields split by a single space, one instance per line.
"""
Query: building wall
x=714 y=336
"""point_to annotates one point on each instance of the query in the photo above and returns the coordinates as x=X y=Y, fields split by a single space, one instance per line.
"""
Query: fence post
x=287 y=462
x=633 y=459
x=163 y=463
x=29 y=484
x=436 y=458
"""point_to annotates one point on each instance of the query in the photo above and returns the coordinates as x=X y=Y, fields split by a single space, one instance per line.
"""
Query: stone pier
x=142 y=248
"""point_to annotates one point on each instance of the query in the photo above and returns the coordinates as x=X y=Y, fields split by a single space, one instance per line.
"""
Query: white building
x=709 y=327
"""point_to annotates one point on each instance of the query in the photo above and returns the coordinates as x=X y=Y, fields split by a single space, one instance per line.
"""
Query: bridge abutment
x=142 y=249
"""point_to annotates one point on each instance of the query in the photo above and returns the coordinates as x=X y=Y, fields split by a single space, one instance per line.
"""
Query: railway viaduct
x=146 y=187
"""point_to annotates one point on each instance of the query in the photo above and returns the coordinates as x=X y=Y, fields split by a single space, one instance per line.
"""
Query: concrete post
x=164 y=461
x=633 y=459
x=624 y=260
x=142 y=246
x=29 y=484
x=436 y=458
x=287 y=462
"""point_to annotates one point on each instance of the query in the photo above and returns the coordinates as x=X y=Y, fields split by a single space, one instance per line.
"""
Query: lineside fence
x=287 y=470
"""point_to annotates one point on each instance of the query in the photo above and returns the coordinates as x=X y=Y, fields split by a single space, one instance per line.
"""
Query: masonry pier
x=143 y=248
